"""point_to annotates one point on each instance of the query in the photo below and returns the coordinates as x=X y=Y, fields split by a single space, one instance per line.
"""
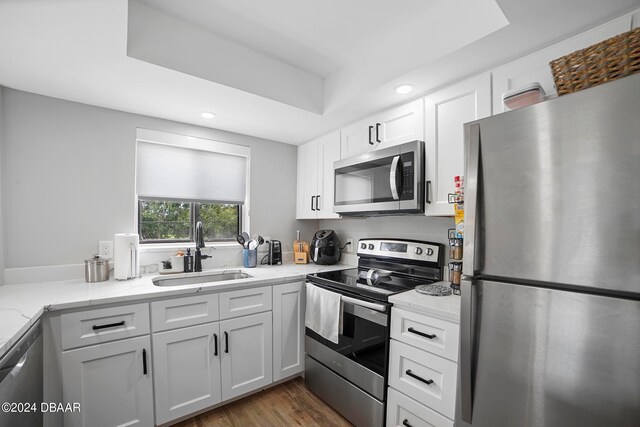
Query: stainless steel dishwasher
x=21 y=381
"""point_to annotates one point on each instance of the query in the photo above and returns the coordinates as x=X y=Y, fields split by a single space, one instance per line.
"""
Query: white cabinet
x=445 y=113
x=247 y=362
x=423 y=369
x=288 y=330
x=112 y=383
x=202 y=365
x=535 y=67
x=186 y=366
x=395 y=126
x=315 y=177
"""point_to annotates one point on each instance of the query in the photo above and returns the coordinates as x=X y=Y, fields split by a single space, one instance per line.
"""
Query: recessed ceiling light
x=403 y=89
x=207 y=115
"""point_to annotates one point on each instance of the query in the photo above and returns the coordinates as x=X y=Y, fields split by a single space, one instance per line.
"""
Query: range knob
x=363 y=246
x=418 y=251
x=429 y=252
x=371 y=246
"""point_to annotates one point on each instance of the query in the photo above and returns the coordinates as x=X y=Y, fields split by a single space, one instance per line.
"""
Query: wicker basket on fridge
x=608 y=60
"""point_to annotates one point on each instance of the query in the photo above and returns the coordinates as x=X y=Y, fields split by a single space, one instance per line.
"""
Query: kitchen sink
x=195 y=278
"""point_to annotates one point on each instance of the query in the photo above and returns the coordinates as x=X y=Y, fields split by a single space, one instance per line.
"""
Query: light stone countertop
x=22 y=305
x=447 y=308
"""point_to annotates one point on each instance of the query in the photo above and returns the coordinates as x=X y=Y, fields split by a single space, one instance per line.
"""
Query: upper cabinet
x=391 y=127
x=315 y=177
x=535 y=67
x=445 y=113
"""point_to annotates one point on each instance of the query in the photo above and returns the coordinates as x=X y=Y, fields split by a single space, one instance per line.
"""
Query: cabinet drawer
x=410 y=369
x=245 y=301
x=419 y=330
x=181 y=312
x=104 y=325
x=403 y=411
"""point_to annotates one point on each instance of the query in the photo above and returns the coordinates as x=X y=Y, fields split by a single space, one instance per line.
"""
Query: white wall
x=68 y=179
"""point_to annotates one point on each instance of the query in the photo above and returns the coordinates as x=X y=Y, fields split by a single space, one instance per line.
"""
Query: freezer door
x=553 y=191
x=541 y=357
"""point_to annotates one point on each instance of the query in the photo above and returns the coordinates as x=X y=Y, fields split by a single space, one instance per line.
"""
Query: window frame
x=204 y=144
x=194 y=211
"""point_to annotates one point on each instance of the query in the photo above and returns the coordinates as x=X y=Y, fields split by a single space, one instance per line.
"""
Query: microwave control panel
x=407 y=176
x=403 y=249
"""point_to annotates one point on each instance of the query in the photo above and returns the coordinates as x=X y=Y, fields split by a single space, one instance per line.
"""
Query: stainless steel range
x=351 y=375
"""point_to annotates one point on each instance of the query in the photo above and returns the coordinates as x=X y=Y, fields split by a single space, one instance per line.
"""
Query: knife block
x=300 y=257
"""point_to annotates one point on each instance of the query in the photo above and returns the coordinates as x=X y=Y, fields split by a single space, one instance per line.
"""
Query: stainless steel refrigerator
x=550 y=324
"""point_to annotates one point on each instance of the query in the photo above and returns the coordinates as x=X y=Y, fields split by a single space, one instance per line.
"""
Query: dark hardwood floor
x=288 y=404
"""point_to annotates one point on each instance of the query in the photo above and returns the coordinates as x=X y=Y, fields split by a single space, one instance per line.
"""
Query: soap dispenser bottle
x=188 y=262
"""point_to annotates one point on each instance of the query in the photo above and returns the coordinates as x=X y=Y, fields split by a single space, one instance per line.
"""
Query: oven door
x=362 y=352
x=388 y=180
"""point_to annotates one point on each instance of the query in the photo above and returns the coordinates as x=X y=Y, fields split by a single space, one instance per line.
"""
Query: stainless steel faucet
x=198 y=256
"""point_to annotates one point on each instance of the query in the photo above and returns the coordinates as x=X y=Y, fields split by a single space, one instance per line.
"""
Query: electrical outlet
x=349 y=248
x=105 y=248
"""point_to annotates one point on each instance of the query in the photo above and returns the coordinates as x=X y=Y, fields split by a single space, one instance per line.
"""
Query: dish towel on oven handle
x=323 y=312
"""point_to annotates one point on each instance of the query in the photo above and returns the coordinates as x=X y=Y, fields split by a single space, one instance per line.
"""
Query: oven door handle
x=395 y=178
x=371 y=305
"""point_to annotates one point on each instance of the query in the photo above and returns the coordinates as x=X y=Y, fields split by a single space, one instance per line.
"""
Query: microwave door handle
x=395 y=178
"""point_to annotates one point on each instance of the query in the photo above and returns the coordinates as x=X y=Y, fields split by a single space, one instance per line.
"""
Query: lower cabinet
x=112 y=382
x=186 y=365
x=246 y=355
x=221 y=349
x=200 y=366
x=288 y=330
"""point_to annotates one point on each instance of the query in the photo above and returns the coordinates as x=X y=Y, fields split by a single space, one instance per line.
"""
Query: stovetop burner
x=383 y=272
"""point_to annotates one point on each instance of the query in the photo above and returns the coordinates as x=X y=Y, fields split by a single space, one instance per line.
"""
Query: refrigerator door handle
x=472 y=137
x=467 y=339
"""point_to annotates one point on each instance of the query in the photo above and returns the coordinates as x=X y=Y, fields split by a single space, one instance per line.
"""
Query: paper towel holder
x=126 y=260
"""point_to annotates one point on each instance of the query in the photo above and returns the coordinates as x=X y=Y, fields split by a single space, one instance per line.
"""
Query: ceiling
x=286 y=70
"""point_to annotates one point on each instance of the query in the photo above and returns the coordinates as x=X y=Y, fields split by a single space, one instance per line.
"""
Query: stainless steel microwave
x=382 y=182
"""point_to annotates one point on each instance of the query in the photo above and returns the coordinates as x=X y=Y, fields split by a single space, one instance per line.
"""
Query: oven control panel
x=405 y=249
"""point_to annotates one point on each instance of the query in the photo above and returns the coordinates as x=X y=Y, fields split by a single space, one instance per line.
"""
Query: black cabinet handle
x=370 y=130
x=317 y=202
x=406 y=423
x=378 y=132
x=411 y=374
x=422 y=334
x=426 y=197
x=226 y=342
x=144 y=361
x=312 y=199
x=215 y=344
x=109 y=325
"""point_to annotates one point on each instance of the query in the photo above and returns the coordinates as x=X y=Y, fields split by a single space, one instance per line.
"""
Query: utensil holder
x=249 y=258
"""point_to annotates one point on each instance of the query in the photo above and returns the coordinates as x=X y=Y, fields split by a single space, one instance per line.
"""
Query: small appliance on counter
x=325 y=247
x=275 y=252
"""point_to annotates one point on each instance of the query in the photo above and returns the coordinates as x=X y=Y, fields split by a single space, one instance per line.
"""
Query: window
x=180 y=181
x=168 y=221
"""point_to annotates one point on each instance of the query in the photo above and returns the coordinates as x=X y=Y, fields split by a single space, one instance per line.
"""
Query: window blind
x=170 y=172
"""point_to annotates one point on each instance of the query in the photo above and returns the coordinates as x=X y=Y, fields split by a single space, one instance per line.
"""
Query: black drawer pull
x=411 y=374
x=370 y=130
x=422 y=334
x=226 y=342
x=406 y=423
x=108 y=325
x=215 y=344
x=144 y=361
